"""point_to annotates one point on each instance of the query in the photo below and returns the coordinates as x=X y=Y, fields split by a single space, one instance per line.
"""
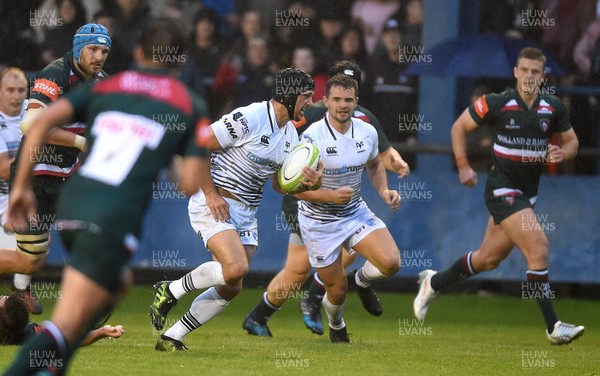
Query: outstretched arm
x=460 y=128
x=103 y=332
x=378 y=177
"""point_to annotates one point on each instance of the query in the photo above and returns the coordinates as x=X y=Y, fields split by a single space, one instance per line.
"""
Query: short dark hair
x=163 y=37
x=14 y=317
x=343 y=81
x=532 y=53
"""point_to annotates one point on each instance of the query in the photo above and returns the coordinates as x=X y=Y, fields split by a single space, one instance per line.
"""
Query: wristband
x=79 y=142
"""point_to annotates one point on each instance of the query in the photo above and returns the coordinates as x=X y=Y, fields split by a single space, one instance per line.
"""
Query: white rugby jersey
x=10 y=138
x=253 y=149
x=344 y=157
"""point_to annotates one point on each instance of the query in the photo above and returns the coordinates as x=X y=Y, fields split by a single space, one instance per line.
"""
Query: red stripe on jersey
x=517 y=158
x=73 y=78
x=160 y=88
x=514 y=107
x=364 y=118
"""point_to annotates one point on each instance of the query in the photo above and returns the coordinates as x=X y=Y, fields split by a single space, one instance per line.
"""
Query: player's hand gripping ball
x=290 y=174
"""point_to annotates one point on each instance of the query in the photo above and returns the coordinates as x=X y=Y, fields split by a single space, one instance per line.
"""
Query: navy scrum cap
x=289 y=84
x=347 y=67
x=90 y=34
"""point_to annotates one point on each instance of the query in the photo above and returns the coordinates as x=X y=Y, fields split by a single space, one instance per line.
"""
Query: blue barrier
x=438 y=221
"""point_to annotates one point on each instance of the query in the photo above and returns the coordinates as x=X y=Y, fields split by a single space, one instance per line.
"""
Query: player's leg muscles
x=13 y=261
x=495 y=247
x=525 y=230
x=334 y=279
x=381 y=250
x=291 y=277
x=235 y=262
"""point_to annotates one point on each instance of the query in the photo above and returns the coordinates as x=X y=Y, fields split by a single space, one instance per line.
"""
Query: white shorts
x=242 y=219
x=324 y=241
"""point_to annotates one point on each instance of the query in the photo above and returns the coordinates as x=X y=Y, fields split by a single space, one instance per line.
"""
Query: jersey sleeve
x=482 y=109
x=3 y=146
x=384 y=142
x=563 y=120
x=232 y=129
x=374 y=139
x=47 y=86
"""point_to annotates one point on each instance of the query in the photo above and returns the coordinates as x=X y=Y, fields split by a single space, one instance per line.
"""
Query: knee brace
x=35 y=246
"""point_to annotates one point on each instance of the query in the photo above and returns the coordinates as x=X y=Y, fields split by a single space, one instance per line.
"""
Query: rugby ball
x=290 y=174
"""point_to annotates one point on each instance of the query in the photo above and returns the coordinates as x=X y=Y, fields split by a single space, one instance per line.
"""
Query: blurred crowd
x=236 y=46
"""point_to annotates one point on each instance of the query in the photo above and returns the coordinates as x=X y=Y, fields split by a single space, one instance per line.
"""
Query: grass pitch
x=462 y=335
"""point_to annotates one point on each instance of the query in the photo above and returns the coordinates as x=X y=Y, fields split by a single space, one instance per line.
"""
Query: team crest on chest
x=544 y=124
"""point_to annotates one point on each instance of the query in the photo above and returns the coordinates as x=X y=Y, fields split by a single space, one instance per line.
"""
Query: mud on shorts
x=503 y=202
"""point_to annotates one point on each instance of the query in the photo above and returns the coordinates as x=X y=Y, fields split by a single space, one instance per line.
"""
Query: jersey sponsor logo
x=545 y=108
x=512 y=125
x=360 y=144
x=230 y=128
x=481 y=107
x=46 y=87
x=264 y=140
x=237 y=116
x=331 y=150
x=320 y=258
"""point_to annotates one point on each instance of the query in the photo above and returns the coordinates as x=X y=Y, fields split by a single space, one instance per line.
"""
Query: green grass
x=463 y=335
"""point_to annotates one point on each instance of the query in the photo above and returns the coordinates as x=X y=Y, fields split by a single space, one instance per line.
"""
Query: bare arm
x=378 y=178
x=460 y=128
x=393 y=162
x=568 y=147
x=103 y=332
x=5 y=162
x=57 y=136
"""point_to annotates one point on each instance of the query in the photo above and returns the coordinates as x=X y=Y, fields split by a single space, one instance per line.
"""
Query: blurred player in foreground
x=523 y=120
x=102 y=206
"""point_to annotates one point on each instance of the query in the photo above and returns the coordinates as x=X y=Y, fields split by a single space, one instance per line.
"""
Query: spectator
x=395 y=94
x=256 y=78
x=304 y=58
x=351 y=46
x=130 y=18
x=372 y=15
x=59 y=40
x=331 y=24
x=119 y=58
x=204 y=57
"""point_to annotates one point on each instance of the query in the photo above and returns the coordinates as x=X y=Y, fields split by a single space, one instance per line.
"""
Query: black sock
x=263 y=310
x=316 y=290
x=538 y=288
x=460 y=270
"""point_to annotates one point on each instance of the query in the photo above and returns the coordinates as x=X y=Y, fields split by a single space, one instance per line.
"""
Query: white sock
x=335 y=313
x=21 y=281
x=366 y=274
x=206 y=306
x=206 y=275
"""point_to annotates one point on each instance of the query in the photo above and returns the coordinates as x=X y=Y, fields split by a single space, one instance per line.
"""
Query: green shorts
x=504 y=202
x=46 y=189
x=95 y=252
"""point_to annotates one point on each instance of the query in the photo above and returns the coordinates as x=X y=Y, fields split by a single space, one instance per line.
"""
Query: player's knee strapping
x=33 y=245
